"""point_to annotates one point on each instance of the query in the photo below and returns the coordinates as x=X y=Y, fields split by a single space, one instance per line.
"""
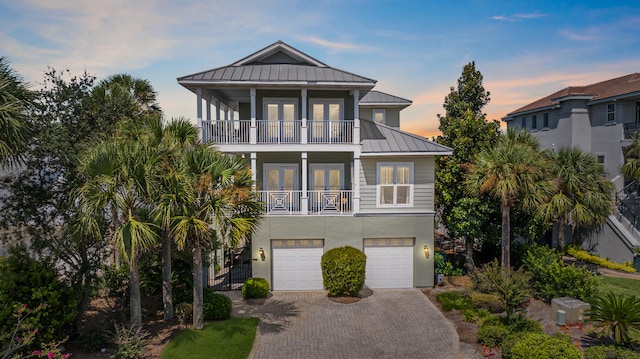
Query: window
x=379 y=116
x=611 y=112
x=534 y=122
x=600 y=158
x=637 y=115
x=326 y=115
x=279 y=125
x=395 y=184
x=523 y=125
x=545 y=120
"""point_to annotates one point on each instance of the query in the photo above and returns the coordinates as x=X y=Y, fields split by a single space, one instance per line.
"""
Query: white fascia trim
x=384 y=104
x=278 y=83
x=285 y=147
x=515 y=115
x=396 y=154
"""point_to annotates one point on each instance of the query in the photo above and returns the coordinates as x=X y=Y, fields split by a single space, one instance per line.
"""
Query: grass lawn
x=619 y=286
x=228 y=339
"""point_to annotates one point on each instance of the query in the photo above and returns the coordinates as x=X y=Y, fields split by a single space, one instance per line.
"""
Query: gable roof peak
x=279 y=52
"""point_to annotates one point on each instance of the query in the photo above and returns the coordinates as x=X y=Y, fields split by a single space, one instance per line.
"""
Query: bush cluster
x=504 y=332
x=610 y=351
x=488 y=301
x=129 y=342
x=587 y=257
x=551 y=278
x=343 y=271
x=543 y=346
x=184 y=313
x=255 y=288
x=216 y=306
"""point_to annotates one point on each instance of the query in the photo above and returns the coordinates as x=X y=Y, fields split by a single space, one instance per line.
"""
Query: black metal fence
x=235 y=271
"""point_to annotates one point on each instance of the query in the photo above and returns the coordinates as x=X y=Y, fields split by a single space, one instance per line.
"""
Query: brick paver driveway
x=385 y=324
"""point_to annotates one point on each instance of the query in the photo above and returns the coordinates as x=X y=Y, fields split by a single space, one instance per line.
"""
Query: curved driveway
x=385 y=324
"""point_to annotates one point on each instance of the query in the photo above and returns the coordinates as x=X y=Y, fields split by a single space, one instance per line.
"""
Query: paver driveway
x=385 y=324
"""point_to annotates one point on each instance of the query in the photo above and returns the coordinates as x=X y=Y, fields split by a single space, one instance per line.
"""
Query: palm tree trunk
x=468 y=255
x=198 y=303
x=134 y=294
x=505 y=242
x=561 y=227
x=167 y=290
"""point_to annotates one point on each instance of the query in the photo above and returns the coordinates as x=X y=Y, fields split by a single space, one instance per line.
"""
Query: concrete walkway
x=385 y=324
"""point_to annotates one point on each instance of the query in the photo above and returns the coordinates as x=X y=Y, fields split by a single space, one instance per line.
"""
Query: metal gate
x=234 y=269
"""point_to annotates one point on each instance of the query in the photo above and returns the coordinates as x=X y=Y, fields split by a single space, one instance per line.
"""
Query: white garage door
x=389 y=263
x=296 y=264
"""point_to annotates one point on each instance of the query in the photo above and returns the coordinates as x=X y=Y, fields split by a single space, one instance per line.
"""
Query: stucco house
x=330 y=164
x=599 y=118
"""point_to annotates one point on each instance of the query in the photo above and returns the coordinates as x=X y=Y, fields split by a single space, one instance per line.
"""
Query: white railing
x=225 y=132
x=279 y=131
x=319 y=202
x=330 y=131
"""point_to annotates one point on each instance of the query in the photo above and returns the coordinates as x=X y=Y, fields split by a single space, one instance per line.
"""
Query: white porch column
x=356 y=180
x=356 y=117
x=208 y=102
x=303 y=107
x=199 y=112
x=305 y=187
x=253 y=138
x=254 y=168
x=218 y=107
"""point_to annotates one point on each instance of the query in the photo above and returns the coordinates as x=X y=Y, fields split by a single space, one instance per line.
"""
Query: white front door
x=389 y=263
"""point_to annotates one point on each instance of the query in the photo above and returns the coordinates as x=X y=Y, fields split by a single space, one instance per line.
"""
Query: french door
x=281 y=186
x=326 y=182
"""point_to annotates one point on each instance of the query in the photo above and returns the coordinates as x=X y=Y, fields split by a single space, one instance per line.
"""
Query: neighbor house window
x=523 y=123
x=600 y=159
x=545 y=120
x=534 y=122
x=379 y=116
x=611 y=112
x=395 y=184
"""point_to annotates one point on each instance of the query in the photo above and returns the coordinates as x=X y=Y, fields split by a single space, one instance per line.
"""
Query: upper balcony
x=277 y=132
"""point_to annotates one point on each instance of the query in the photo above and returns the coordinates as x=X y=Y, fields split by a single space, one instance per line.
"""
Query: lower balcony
x=331 y=202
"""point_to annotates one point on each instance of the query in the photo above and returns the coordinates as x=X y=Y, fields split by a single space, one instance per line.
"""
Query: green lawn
x=227 y=339
x=620 y=286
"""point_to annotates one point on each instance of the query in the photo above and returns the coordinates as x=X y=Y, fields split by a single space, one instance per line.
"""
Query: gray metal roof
x=381 y=139
x=377 y=97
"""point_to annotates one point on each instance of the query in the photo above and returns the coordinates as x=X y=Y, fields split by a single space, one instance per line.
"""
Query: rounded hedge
x=216 y=306
x=542 y=346
x=343 y=271
x=255 y=288
x=610 y=351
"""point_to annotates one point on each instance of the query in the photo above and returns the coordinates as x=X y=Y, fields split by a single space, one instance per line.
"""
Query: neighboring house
x=330 y=164
x=599 y=118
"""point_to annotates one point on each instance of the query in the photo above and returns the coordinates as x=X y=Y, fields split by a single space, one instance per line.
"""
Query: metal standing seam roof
x=379 y=138
x=377 y=97
x=602 y=90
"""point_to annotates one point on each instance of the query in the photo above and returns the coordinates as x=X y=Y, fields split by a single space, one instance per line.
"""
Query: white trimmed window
x=395 y=184
x=379 y=115
x=611 y=112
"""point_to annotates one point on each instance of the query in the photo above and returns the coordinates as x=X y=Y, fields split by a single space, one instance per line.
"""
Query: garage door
x=389 y=263
x=296 y=264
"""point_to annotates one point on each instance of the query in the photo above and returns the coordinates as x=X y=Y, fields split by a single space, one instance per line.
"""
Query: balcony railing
x=286 y=132
x=318 y=202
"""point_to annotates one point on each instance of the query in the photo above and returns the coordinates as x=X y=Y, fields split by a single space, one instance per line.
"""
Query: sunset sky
x=415 y=49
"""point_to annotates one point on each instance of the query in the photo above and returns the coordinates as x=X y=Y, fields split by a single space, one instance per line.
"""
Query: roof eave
x=389 y=154
x=614 y=98
x=513 y=115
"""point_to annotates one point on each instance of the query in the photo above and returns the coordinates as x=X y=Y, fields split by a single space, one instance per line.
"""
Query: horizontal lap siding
x=423 y=189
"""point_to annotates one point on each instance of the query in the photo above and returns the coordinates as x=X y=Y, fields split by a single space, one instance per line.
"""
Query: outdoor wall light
x=261 y=251
x=427 y=254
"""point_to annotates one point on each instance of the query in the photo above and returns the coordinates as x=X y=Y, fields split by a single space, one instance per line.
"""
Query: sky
x=525 y=50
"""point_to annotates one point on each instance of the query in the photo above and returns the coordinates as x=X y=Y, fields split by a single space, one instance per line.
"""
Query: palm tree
x=583 y=196
x=631 y=167
x=616 y=317
x=15 y=102
x=134 y=97
x=513 y=172
x=120 y=181
x=219 y=203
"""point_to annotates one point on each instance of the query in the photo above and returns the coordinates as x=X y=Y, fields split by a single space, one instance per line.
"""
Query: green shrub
x=483 y=278
x=550 y=278
x=129 y=342
x=343 y=271
x=616 y=316
x=184 y=313
x=490 y=302
x=255 y=288
x=35 y=284
x=610 y=352
x=585 y=256
x=511 y=286
x=492 y=332
x=94 y=339
x=115 y=281
x=454 y=299
x=504 y=332
x=216 y=306
x=542 y=346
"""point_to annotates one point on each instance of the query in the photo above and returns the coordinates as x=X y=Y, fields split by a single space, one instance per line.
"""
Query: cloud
x=336 y=46
x=518 y=17
x=585 y=36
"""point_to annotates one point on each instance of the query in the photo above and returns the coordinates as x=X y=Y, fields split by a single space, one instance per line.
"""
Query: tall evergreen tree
x=465 y=129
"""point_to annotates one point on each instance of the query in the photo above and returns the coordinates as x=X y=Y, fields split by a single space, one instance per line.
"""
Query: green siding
x=337 y=231
x=392 y=115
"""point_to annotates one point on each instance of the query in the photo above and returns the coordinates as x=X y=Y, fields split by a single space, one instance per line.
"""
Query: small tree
x=616 y=316
x=343 y=271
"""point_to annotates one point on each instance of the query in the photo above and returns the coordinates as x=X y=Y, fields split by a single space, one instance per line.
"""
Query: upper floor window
x=534 y=122
x=395 y=184
x=326 y=109
x=523 y=123
x=611 y=112
x=280 y=109
x=379 y=116
x=545 y=120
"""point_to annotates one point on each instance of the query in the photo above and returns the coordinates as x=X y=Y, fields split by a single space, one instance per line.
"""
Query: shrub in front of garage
x=255 y=287
x=343 y=271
